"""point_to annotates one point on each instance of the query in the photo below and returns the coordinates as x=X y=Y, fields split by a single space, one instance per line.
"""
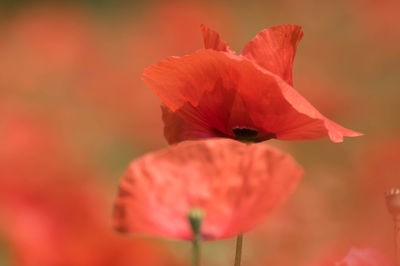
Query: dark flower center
x=245 y=134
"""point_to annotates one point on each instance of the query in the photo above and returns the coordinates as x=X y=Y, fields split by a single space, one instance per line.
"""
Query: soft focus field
x=74 y=112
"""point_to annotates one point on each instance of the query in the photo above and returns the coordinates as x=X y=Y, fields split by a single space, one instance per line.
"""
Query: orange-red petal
x=177 y=129
x=212 y=40
x=280 y=109
x=177 y=80
x=215 y=85
x=274 y=49
x=235 y=184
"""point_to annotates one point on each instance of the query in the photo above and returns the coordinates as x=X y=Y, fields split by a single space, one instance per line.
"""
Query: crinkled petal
x=177 y=129
x=209 y=82
x=274 y=49
x=236 y=185
x=177 y=80
x=212 y=40
x=209 y=103
x=217 y=113
x=215 y=85
x=291 y=116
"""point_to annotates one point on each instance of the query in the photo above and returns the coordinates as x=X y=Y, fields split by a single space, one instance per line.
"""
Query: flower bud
x=195 y=217
x=393 y=201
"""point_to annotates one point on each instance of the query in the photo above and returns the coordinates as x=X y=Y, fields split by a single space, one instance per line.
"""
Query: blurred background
x=74 y=112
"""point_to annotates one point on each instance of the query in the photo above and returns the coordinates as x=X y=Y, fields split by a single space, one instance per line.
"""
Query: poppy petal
x=175 y=80
x=200 y=89
x=212 y=40
x=291 y=117
x=208 y=83
x=236 y=185
x=177 y=129
x=216 y=115
x=274 y=49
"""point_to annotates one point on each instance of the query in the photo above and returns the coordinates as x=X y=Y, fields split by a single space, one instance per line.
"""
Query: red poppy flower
x=216 y=93
x=235 y=185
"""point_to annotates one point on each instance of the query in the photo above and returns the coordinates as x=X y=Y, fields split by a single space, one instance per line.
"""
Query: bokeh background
x=74 y=112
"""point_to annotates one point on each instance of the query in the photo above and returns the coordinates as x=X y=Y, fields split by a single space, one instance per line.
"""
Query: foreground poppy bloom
x=216 y=93
x=235 y=185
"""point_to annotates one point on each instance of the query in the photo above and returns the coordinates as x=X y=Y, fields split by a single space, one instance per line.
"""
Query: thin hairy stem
x=239 y=244
x=196 y=251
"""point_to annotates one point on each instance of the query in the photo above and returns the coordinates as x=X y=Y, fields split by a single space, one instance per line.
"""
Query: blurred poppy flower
x=363 y=257
x=53 y=211
x=379 y=159
x=48 y=44
x=64 y=222
x=355 y=257
x=235 y=185
x=375 y=170
x=216 y=93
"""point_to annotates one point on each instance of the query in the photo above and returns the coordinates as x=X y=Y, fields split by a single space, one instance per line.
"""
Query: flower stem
x=196 y=251
x=195 y=217
x=393 y=204
x=239 y=244
x=397 y=238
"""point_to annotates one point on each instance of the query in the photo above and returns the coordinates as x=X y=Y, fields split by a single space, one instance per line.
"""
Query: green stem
x=195 y=217
x=397 y=238
x=196 y=250
x=393 y=205
x=239 y=244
